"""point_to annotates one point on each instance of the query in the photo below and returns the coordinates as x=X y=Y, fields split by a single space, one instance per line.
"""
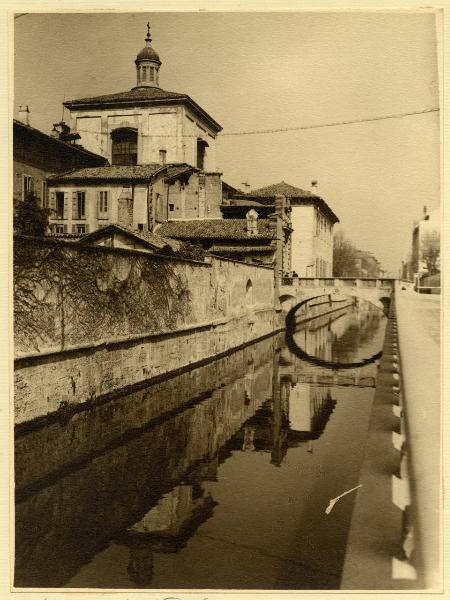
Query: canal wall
x=91 y=320
x=65 y=516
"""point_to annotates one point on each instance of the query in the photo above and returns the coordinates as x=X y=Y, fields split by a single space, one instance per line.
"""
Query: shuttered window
x=78 y=205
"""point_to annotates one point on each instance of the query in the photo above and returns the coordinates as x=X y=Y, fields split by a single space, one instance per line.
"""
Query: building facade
x=312 y=222
x=37 y=155
x=139 y=197
x=146 y=124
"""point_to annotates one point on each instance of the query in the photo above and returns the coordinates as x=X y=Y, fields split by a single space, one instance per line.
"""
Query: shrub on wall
x=65 y=296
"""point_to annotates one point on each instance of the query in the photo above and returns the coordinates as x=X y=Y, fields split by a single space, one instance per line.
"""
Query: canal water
x=216 y=478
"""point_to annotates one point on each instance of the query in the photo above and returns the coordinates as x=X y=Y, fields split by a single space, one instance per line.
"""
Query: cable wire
x=284 y=129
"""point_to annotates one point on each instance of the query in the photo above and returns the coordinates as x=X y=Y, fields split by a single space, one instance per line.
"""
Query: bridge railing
x=367 y=282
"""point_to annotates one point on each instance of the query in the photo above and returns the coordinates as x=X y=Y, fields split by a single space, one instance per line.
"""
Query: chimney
x=425 y=213
x=24 y=114
x=252 y=222
x=314 y=184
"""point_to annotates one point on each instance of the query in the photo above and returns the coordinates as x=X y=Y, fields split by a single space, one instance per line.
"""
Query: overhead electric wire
x=296 y=128
x=334 y=124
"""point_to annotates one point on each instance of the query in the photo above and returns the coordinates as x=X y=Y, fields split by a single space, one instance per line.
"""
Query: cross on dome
x=147 y=64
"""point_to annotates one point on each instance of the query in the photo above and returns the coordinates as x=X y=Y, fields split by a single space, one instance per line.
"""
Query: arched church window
x=152 y=73
x=124 y=146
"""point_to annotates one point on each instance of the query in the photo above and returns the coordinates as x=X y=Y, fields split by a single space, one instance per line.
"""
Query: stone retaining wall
x=92 y=320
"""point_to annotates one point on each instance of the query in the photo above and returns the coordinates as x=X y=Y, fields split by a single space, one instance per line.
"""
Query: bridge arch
x=287 y=301
x=375 y=291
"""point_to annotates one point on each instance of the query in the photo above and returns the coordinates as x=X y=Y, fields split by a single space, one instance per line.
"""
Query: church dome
x=148 y=53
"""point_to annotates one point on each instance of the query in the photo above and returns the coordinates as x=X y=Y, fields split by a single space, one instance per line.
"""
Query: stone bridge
x=295 y=289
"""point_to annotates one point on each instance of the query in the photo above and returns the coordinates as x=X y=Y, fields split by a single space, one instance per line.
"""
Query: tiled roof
x=284 y=189
x=176 y=171
x=142 y=95
x=153 y=240
x=120 y=172
x=297 y=197
x=138 y=93
x=242 y=249
x=220 y=229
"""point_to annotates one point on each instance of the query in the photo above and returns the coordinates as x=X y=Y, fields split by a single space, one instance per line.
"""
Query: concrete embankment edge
x=376 y=531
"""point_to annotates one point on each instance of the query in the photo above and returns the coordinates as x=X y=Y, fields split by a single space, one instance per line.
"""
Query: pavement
x=375 y=544
x=419 y=327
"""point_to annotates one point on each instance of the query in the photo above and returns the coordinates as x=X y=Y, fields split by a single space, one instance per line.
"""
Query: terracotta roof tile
x=220 y=229
x=138 y=93
x=242 y=249
x=153 y=240
x=297 y=197
x=284 y=189
x=121 y=172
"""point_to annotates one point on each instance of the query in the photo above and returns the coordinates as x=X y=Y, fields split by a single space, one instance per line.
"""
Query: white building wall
x=312 y=242
x=302 y=240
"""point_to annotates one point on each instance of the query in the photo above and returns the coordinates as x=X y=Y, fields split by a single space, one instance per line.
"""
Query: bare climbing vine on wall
x=65 y=294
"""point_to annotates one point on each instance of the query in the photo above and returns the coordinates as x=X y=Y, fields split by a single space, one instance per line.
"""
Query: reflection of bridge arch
x=327 y=364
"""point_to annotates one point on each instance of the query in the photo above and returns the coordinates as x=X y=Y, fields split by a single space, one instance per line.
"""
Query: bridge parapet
x=375 y=290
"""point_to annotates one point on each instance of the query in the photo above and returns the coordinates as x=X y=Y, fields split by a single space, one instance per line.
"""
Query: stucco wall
x=92 y=320
x=171 y=128
x=92 y=218
x=310 y=243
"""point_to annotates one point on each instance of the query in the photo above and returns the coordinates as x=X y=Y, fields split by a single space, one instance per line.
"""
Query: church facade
x=160 y=147
x=146 y=124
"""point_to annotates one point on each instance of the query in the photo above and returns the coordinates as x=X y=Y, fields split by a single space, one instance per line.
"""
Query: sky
x=253 y=71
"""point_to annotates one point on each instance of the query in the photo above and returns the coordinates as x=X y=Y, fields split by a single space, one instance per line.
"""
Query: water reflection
x=217 y=478
x=344 y=339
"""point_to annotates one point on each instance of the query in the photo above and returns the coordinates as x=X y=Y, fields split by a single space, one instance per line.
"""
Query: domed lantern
x=147 y=64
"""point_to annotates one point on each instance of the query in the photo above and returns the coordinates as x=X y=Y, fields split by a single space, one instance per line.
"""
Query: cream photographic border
x=7 y=10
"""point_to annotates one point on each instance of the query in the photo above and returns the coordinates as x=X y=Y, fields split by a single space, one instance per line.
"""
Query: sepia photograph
x=226 y=301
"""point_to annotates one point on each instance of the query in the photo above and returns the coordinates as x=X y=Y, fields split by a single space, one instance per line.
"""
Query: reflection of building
x=297 y=413
x=171 y=522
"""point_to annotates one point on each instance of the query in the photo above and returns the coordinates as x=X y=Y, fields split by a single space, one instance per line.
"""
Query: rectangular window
x=81 y=205
x=103 y=204
x=80 y=228
x=141 y=226
x=60 y=228
x=163 y=156
x=152 y=73
x=27 y=185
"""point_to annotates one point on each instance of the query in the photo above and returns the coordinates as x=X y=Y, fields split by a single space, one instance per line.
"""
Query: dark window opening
x=60 y=205
x=81 y=205
x=201 y=150
x=141 y=226
x=171 y=207
x=124 y=146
